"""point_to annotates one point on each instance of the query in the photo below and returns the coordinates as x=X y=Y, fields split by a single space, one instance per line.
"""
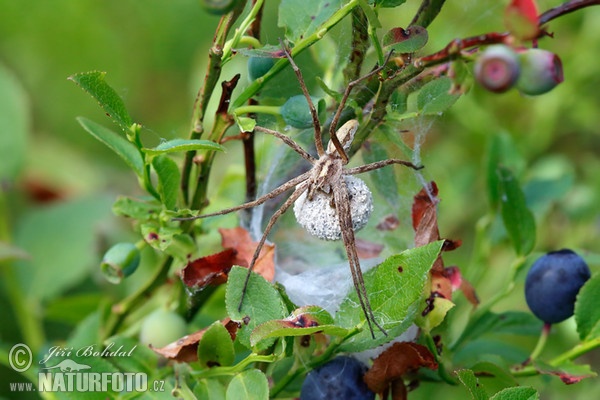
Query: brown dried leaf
x=366 y=249
x=240 y=240
x=209 y=270
x=396 y=361
x=186 y=348
x=388 y=223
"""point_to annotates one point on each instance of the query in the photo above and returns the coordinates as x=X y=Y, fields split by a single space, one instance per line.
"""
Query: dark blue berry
x=340 y=378
x=552 y=285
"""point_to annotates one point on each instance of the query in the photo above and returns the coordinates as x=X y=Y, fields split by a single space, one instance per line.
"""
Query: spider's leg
x=380 y=164
x=272 y=194
x=333 y=127
x=311 y=106
x=342 y=204
x=284 y=207
x=289 y=142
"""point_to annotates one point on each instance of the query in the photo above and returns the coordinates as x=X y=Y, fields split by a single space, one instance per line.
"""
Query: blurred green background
x=58 y=183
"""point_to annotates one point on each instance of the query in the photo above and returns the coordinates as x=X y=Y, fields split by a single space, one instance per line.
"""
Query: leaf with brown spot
x=186 y=348
x=569 y=372
x=240 y=240
x=209 y=270
x=391 y=365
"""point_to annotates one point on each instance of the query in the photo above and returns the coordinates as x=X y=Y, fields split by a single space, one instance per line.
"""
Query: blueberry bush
x=462 y=259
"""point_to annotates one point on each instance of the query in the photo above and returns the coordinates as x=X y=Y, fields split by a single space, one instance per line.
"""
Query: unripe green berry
x=541 y=71
x=258 y=66
x=218 y=7
x=120 y=261
x=162 y=327
x=497 y=68
x=296 y=113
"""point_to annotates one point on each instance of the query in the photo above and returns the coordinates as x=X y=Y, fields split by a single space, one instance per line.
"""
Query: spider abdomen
x=319 y=217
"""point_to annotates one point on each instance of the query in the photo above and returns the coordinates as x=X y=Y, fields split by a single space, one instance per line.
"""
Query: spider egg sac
x=320 y=219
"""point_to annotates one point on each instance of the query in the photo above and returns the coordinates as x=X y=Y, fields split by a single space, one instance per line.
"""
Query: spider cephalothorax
x=330 y=183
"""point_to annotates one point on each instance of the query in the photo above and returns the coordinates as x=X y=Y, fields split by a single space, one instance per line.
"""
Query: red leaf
x=186 y=348
x=209 y=270
x=521 y=19
x=240 y=240
x=239 y=250
x=396 y=361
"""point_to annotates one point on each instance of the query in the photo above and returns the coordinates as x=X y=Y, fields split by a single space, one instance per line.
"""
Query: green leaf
x=14 y=125
x=384 y=179
x=160 y=236
x=93 y=83
x=501 y=151
x=511 y=322
x=518 y=220
x=262 y=303
x=587 y=312
x=62 y=241
x=435 y=97
x=387 y=3
x=209 y=389
x=436 y=316
x=500 y=373
x=139 y=209
x=248 y=385
x=471 y=382
x=117 y=143
x=245 y=124
x=404 y=41
x=129 y=356
x=568 y=372
x=303 y=321
x=215 y=347
x=169 y=178
x=302 y=18
x=79 y=306
x=10 y=252
x=517 y=393
x=395 y=288
x=179 y=145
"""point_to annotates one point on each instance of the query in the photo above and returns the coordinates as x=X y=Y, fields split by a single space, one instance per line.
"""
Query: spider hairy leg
x=280 y=211
x=333 y=131
x=311 y=106
x=274 y=193
x=342 y=202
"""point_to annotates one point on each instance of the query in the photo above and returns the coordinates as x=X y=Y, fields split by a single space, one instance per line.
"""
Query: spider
x=327 y=177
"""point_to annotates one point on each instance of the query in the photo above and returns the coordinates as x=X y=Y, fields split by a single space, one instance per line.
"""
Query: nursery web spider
x=326 y=177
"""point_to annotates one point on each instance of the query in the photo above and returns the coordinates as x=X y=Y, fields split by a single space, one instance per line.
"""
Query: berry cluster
x=530 y=71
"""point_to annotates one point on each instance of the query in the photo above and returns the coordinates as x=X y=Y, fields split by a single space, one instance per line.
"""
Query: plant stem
x=427 y=12
x=213 y=73
x=123 y=308
x=258 y=109
x=569 y=355
x=539 y=347
x=26 y=310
